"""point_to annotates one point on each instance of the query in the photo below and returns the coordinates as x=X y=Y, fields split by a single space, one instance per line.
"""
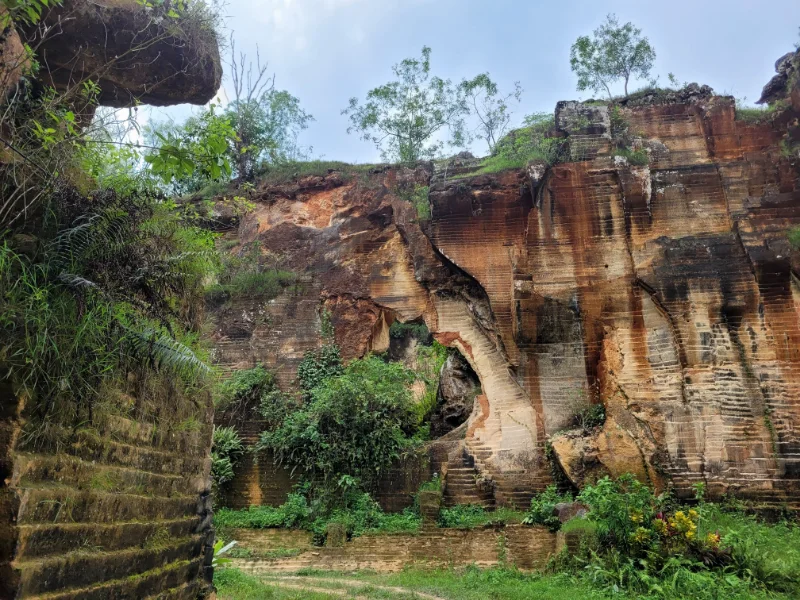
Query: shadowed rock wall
x=119 y=508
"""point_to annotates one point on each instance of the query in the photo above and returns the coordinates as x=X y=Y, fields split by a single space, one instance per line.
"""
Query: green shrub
x=434 y=485
x=226 y=449
x=293 y=513
x=357 y=511
x=317 y=367
x=418 y=331
x=542 y=506
x=243 y=274
x=243 y=387
x=470 y=516
x=590 y=417
x=794 y=237
x=350 y=430
x=580 y=524
x=524 y=145
x=110 y=288
x=462 y=516
x=260 y=283
x=430 y=360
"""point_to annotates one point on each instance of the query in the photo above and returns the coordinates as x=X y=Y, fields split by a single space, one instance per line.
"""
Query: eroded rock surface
x=131 y=51
x=668 y=292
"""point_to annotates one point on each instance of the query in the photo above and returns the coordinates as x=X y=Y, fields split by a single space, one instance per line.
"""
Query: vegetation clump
x=543 y=506
x=245 y=274
x=471 y=516
x=614 y=52
x=226 y=450
x=351 y=429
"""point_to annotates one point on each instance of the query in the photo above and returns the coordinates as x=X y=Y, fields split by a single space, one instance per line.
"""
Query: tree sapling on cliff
x=613 y=52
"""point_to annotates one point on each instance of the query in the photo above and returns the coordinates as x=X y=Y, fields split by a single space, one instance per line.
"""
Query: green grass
x=466 y=584
x=759 y=114
x=634 y=157
x=769 y=553
x=235 y=585
x=291 y=171
x=470 y=516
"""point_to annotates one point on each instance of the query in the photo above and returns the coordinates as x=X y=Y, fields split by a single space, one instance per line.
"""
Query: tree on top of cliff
x=402 y=117
x=490 y=107
x=613 y=52
x=266 y=120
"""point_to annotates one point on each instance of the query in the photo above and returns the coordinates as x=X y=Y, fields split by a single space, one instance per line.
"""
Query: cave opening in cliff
x=447 y=386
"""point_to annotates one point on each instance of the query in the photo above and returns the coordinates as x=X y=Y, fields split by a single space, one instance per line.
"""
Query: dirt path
x=306 y=583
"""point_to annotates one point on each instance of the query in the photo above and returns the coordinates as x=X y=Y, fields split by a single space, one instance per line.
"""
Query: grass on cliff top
x=291 y=171
x=759 y=114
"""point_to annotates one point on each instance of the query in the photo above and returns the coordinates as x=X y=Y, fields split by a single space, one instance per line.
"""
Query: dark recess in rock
x=458 y=387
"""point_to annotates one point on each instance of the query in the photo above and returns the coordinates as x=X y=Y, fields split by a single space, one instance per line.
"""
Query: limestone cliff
x=666 y=291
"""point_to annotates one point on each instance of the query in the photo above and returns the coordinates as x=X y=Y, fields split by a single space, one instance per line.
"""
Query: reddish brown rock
x=667 y=292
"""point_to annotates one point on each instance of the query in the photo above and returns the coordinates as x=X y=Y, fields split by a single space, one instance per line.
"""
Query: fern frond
x=76 y=281
x=161 y=351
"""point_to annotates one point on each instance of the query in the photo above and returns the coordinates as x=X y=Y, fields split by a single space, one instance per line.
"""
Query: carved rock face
x=130 y=51
x=666 y=291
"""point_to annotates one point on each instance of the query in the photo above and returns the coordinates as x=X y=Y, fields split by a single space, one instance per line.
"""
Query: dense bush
x=521 y=146
x=110 y=287
x=317 y=367
x=243 y=387
x=351 y=429
x=650 y=546
x=245 y=274
x=358 y=512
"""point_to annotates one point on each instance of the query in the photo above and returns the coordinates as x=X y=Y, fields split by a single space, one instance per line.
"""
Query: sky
x=326 y=51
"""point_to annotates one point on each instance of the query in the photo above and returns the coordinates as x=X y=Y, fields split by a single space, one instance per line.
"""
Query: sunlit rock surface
x=668 y=292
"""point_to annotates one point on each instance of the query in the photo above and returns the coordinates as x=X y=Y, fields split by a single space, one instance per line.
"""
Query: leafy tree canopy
x=491 y=107
x=613 y=52
x=402 y=117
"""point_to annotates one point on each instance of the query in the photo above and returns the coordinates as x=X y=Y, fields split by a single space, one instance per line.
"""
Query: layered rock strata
x=666 y=291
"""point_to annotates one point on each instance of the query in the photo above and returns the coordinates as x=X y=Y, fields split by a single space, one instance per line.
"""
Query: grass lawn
x=453 y=584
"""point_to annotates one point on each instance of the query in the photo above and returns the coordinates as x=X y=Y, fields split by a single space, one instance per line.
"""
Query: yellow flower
x=636 y=516
x=712 y=539
x=660 y=526
x=693 y=515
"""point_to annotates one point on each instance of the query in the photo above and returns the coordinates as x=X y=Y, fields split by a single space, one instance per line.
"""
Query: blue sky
x=325 y=51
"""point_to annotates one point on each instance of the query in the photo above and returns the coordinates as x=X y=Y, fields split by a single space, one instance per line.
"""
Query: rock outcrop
x=132 y=51
x=666 y=291
x=118 y=506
